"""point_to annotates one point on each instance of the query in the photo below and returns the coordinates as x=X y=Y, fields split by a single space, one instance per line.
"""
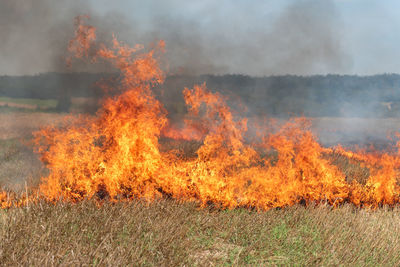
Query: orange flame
x=4 y=200
x=84 y=37
x=116 y=155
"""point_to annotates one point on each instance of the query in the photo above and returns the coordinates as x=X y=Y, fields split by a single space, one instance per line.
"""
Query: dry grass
x=22 y=124
x=167 y=233
x=18 y=163
x=352 y=169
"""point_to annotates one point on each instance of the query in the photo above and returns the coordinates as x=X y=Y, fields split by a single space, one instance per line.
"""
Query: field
x=27 y=103
x=167 y=232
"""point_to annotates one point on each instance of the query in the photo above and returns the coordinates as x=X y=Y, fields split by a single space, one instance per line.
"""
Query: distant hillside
x=319 y=95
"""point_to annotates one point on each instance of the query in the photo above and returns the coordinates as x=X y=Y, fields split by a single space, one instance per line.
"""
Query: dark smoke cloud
x=236 y=37
x=35 y=34
x=215 y=37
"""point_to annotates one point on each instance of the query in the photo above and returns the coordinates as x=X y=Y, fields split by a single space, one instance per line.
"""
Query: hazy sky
x=239 y=36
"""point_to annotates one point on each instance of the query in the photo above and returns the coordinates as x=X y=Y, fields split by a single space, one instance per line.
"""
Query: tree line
x=285 y=95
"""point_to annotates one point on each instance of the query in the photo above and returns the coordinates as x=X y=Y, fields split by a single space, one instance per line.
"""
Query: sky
x=256 y=37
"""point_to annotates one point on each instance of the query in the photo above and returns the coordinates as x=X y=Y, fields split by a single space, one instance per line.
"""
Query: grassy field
x=42 y=103
x=168 y=233
x=29 y=105
x=18 y=163
x=8 y=104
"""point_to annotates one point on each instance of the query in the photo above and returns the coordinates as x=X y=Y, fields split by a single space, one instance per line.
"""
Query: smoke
x=240 y=37
x=35 y=34
x=209 y=37
x=307 y=38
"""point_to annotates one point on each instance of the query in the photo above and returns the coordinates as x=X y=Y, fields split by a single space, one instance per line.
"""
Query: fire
x=84 y=37
x=4 y=200
x=116 y=155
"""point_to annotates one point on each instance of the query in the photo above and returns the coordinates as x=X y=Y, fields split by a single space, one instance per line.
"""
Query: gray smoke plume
x=225 y=37
x=35 y=34
x=307 y=38
x=215 y=37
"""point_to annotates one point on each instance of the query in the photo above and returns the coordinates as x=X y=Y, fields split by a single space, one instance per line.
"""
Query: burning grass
x=168 y=232
x=125 y=186
x=116 y=155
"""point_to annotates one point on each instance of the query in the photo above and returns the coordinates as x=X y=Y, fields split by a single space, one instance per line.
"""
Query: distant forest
x=278 y=96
